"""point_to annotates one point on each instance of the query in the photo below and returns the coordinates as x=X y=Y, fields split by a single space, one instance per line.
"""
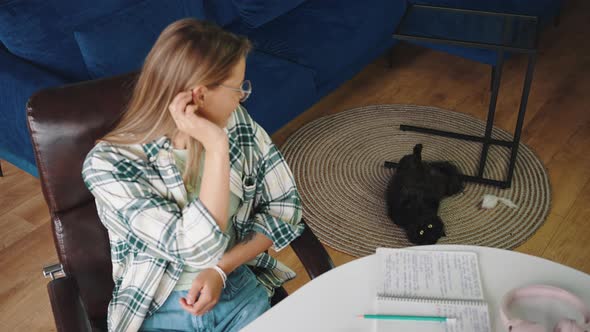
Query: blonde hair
x=187 y=53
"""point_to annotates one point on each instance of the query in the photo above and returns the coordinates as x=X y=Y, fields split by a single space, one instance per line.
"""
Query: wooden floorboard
x=557 y=128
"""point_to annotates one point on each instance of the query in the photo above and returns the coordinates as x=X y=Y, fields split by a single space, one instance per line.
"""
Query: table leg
x=521 y=112
x=451 y=134
x=491 y=114
x=492 y=78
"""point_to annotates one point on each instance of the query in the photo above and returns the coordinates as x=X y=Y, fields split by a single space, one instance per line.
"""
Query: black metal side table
x=500 y=32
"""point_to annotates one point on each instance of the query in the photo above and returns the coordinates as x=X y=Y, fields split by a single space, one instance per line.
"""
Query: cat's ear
x=442 y=224
x=418 y=152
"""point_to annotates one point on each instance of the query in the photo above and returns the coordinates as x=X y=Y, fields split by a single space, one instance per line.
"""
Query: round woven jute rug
x=338 y=162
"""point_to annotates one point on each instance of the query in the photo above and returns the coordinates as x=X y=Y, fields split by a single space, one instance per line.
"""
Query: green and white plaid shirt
x=154 y=231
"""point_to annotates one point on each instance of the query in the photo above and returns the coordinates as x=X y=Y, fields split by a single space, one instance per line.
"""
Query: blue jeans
x=242 y=300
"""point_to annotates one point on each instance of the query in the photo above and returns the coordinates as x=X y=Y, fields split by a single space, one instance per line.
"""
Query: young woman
x=192 y=190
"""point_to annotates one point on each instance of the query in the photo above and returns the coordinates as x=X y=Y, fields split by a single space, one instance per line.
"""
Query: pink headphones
x=564 y=325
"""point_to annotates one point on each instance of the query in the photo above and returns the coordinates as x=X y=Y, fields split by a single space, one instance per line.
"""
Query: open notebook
x=430 y=283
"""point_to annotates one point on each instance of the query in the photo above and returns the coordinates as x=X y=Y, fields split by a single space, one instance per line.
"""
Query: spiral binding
x=432 y=300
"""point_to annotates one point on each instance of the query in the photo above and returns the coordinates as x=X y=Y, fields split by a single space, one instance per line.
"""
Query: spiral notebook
x=430 y=283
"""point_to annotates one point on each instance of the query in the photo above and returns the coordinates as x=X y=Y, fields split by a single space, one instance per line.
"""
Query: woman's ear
x=199 y=93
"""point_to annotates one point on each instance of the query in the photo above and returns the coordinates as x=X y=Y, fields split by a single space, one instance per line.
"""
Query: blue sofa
x=303 y=49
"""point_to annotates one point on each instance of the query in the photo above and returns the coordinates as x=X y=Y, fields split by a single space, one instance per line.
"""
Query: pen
x=408 y=317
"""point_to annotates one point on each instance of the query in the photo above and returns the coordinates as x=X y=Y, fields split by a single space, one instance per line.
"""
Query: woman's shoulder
x=242 y=127
x=242 y=119
x=105 y=155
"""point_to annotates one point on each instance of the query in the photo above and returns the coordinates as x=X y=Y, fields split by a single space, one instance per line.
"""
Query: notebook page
x=429 y=274
x=469 y=316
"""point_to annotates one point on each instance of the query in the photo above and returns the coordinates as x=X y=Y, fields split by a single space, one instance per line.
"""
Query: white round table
x=333 y=301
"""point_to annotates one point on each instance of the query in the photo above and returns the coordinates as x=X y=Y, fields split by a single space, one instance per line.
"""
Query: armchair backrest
x=64 y=123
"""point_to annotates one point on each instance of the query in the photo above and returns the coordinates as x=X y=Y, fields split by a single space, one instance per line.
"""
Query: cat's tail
x=418 y=152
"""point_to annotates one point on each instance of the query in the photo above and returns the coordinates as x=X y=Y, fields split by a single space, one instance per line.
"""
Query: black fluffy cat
x=414 y=193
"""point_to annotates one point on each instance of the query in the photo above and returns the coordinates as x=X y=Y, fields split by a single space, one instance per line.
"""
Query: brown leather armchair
x=64 y=123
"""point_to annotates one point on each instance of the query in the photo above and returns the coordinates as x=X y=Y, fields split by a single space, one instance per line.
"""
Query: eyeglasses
x=245 y=89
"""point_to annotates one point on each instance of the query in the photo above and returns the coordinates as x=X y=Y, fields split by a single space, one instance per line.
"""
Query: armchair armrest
x=68 y=311
x=311 y=253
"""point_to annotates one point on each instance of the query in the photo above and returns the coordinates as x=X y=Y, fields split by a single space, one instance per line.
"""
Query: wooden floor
x=557 y=128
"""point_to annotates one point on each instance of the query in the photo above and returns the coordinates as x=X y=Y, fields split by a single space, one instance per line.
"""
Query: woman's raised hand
x=189 y=122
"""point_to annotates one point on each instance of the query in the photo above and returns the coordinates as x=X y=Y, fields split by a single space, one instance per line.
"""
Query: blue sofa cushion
x=41 y=31
x=281 y=90
x=18 y=81
x=222 y=12
x=258 y=12
x=119 y=42
x=326 y=36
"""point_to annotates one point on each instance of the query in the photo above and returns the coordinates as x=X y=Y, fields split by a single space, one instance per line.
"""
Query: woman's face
x=219 y=102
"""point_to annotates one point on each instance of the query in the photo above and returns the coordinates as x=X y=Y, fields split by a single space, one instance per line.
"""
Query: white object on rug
x=490 y=202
